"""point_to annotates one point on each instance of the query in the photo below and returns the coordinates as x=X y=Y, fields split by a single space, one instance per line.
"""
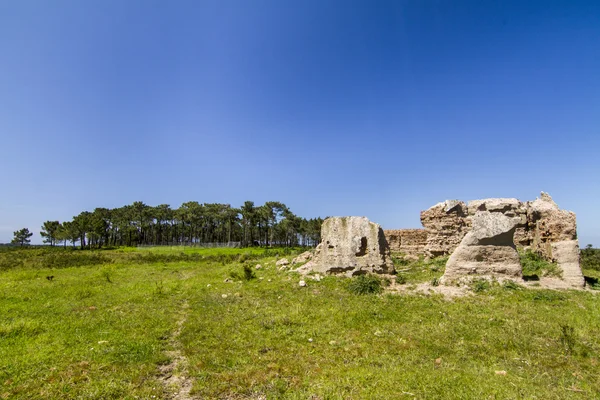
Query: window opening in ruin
x=363 y=250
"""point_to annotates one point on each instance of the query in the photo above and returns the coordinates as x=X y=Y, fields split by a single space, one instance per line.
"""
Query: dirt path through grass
x=174 y=375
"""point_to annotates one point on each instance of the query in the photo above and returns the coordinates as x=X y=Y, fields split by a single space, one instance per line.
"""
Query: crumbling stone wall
x=540 y=225
x=407 y=241
x=354 y=245
x=446 y=224
x=552 y=232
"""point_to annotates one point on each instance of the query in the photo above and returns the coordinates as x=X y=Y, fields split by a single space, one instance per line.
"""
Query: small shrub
x=435 y=282
x=244 y=257
x=159 y=288
x=511 y=285
x=400 y=279
x=267 y=252
x=438 y=263
x=548 y=295
x=246 y=274
x=106 y=276
x=83 y=294
x=480 y=285
x=567 y=338
x=365 y=284
x=399 y=261
x=534 y=265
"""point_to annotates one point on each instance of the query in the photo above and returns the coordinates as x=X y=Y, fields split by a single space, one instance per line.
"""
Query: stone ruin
x=408 y=241
x=351 y=246
x=481 y=237
x=488 y=249
x=445 y=226
x=540 y=226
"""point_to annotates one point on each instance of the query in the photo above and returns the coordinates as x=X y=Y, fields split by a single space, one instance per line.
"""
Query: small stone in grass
x=302 y=283
x=224 y=296
x=310 y=340
x=500 y=372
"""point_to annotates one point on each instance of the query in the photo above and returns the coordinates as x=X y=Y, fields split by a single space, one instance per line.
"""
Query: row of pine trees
x=271 y=224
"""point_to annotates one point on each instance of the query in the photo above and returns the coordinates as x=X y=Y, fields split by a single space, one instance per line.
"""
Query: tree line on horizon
x=271 y=224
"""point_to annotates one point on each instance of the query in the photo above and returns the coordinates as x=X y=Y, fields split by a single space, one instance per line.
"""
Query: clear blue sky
x=376 y=108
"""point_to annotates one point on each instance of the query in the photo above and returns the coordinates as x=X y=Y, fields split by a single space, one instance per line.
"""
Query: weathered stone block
x=351 y=246
x=446 y=224
x=487 y=251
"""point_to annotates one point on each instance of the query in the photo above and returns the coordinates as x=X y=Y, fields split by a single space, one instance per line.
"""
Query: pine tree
x=22 y=237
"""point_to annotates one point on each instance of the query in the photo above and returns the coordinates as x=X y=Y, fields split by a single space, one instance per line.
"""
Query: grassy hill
x=152 y=323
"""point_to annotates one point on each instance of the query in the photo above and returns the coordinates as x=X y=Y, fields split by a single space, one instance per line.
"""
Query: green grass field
x=106 y=329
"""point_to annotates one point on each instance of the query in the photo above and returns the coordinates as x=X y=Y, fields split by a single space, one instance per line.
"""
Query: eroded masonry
x=481 y=238
x=351 y=246
x=539 y=225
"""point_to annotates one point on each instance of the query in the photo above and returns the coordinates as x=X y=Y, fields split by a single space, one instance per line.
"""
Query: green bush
x=590 y=258
x=365 y=284
x=248 y=272
x=245 y=275
x=534 y=265
x=480 y=285
x=244 y=257
x=399 y=261
x=438 y=263
x=567 y=338
x=511 y=285
x=548 y=295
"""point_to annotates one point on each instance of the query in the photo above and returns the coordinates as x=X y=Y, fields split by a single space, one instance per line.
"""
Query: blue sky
x=376 y=108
